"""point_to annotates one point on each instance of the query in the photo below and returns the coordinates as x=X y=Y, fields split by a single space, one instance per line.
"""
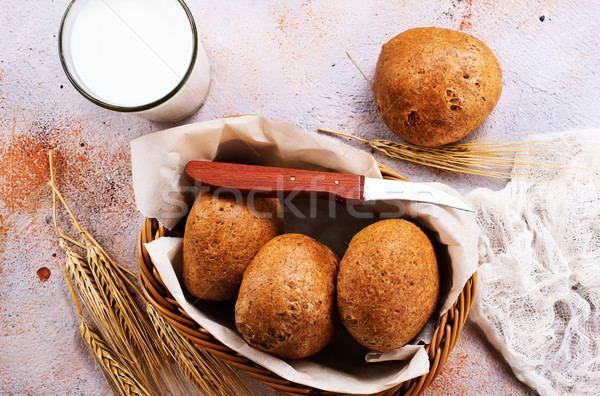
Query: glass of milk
x=135 y=56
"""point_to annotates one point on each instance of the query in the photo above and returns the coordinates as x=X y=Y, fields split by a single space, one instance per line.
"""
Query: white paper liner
x=162 y=192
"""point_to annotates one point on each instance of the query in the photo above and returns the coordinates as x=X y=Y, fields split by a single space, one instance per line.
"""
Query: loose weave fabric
x=539 y=274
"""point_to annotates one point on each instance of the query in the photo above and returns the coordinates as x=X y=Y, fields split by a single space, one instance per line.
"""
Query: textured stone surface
x=284 y=61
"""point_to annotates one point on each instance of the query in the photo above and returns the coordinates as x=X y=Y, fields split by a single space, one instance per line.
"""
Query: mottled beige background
x=284 y=60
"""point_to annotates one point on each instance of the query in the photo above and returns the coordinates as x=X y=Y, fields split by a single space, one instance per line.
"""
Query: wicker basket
x=443 y=340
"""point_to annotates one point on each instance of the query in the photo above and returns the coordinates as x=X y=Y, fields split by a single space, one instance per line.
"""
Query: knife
x=274 y=182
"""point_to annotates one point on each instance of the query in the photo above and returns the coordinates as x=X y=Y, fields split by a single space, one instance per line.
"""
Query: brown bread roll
x=388 y=284
x=220 y=239
x=434 y=86
x=286 y=303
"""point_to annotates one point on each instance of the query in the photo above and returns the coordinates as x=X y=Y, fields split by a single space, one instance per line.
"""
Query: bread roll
x=286 y=303
x=388 y=284
x=434 y=86
x=221 y=237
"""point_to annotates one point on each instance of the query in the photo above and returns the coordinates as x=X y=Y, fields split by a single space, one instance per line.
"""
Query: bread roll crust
x=286 y=304
x=220 y=239
x=434 y=86
x=388 y=284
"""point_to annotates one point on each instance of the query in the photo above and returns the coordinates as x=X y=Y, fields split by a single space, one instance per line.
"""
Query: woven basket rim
x=443 y=341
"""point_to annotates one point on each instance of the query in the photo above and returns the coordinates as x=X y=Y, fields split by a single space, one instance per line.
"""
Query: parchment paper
x=162 y=192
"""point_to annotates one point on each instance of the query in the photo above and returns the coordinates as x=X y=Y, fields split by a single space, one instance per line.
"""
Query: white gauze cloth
x=538 y=297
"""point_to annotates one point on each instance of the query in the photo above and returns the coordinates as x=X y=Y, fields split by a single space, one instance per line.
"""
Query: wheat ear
x=212 y=375
x=118 y=374
x=492 y=159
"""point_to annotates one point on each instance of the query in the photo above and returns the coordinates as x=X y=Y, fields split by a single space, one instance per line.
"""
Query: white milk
x=131 y=53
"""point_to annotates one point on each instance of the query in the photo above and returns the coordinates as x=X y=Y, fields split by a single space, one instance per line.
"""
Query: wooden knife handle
x=275 y=182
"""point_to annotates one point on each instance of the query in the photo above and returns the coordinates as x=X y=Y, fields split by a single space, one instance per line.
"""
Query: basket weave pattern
x=444 y=338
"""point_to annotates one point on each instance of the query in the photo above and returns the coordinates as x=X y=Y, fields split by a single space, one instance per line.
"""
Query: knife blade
x=275 y=182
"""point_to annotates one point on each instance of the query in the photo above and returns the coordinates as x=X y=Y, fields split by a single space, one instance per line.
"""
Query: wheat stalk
x=492 y=159
x=118 y=374
x=113 y=308
x=133 y=351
